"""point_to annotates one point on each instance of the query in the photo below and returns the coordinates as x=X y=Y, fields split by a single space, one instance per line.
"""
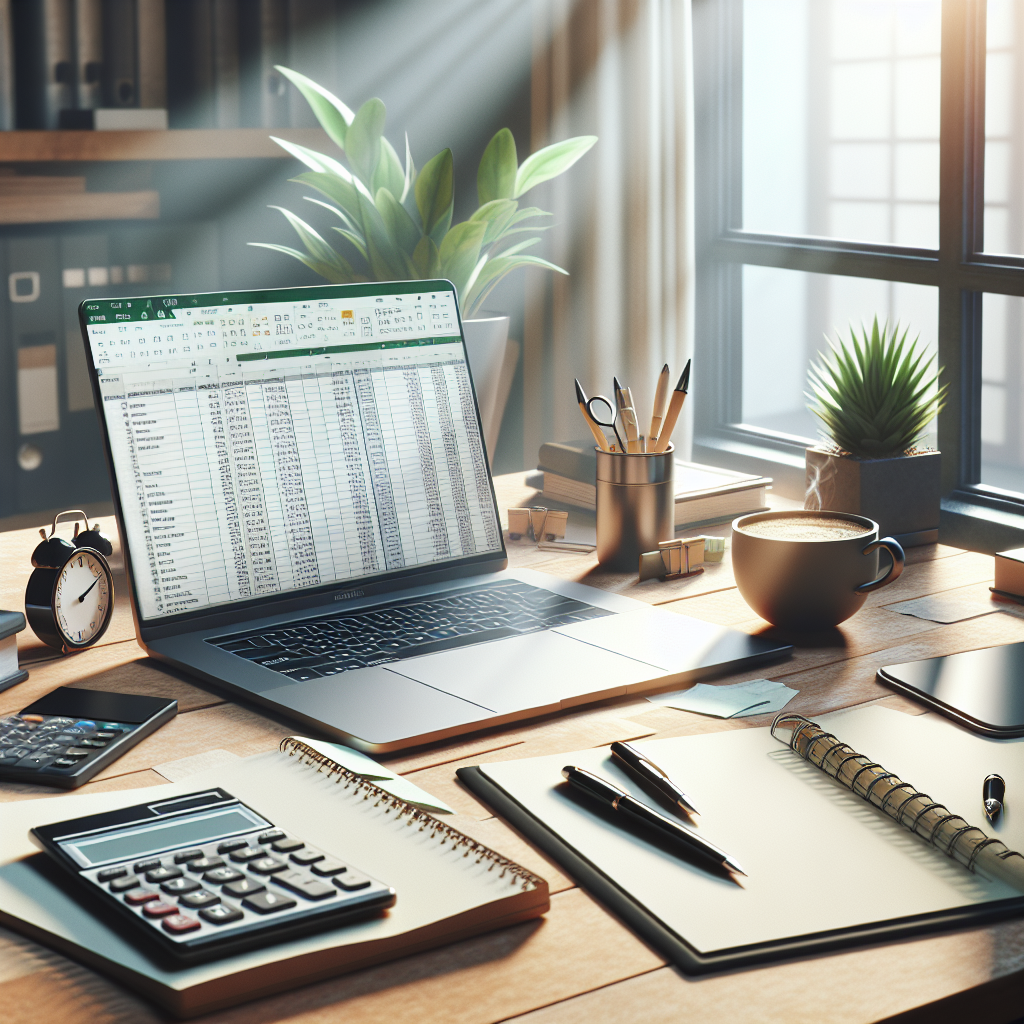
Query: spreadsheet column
x=431 y=534
x=453 y=462
x=485 y=528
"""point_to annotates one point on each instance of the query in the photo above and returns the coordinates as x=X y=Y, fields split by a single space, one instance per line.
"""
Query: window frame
x=973 y=514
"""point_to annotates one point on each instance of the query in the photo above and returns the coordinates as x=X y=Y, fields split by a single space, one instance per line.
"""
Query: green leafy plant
x=396 y=222
x=875 y=394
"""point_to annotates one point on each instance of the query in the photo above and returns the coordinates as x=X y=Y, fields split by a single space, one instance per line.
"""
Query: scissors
x=607 y=423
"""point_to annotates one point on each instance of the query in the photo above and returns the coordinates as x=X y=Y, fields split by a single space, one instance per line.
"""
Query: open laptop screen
x=271 y=442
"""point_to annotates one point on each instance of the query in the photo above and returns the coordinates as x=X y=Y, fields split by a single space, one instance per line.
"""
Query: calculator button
x=76 y=731
x=32 y=718
x=268 y=902
x=61 y=721
x=137 y=896
x=287 y=845
x=328 y=867
x=95 y=744
x=17 y=752
x=232 y=844
x=184 y=856
x=148 y=865
x=247 y=853
x=203 y=898
x=267 y=865
x=180 y=923
x=109 y=874
x=269 y=837
x=351 y=880
x=125 y=883
x=162 y=874
x=64 y=738
x=36 y=761
x=77 y=752
x=299 y=882
x=106 y=735
x=222 y=914
x=51 y=748
x=64 y=762
x=218 y=876
x=159 y=909
x=176 y=886
x=244 y=887
x=307 y=857
x=206 y=864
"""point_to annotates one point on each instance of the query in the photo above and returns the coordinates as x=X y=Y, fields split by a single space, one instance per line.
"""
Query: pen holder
x=635 y=506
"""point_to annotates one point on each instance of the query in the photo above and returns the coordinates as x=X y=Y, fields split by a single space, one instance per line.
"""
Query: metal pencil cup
x=635 y=506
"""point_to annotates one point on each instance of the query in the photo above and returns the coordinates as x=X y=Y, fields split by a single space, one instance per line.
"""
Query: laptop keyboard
x=313 y=648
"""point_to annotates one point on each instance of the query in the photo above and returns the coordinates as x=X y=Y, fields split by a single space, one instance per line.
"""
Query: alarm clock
x=70 y=594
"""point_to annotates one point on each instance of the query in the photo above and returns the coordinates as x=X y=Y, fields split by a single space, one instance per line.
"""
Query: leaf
x=331 y=273
x=404 y=231
x=410 y=170
x=333 y=115
x=315 y=245
x=340 y=214
x=496 y=176
x=384 y=257
x=551 y=161
x=363 y=139
x=389 y=173
x=426 y=259
x=460 y=251
x=497 y=214
x=435 y=195
x=493 y=271
x=342 y=192
x=358 y=243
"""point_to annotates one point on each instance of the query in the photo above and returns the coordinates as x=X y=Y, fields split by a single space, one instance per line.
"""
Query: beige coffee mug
x=809 y=570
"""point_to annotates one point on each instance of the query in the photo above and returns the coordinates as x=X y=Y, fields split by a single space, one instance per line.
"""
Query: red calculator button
x=137 y=896
x=159 y=909
x=180 y=923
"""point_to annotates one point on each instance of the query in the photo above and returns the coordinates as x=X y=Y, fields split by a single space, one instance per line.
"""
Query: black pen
x=993 y=793
x=649 y=774
x=635 y=813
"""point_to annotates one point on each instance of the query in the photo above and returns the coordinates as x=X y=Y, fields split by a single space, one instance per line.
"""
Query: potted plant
x=396 y=221
x=876 y=397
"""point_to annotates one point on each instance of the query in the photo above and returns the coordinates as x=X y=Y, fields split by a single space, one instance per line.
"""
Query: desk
x=578 y=964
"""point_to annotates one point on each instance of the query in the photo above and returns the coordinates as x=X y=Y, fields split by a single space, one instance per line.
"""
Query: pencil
x=660 y=402
x=675 y=405
x=598 y=433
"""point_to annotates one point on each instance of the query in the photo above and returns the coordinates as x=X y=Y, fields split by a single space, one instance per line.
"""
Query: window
x=859 y=158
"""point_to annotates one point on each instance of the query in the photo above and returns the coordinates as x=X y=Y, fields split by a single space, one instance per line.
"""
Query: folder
x=7 y=111
x=45 y=75
x=88 y=16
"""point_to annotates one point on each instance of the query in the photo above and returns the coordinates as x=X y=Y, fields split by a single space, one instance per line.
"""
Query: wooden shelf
x=50 y=208
x=175 y=144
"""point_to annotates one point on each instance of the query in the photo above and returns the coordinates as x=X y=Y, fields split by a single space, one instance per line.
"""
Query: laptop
x=308 y=521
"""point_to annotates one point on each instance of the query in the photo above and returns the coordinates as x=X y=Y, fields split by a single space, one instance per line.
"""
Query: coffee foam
x=803 y=528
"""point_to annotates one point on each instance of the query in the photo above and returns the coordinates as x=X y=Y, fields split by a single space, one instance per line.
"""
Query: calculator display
x=164 y=835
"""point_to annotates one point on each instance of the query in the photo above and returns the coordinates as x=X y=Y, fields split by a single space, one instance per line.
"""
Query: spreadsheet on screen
x=268 y=447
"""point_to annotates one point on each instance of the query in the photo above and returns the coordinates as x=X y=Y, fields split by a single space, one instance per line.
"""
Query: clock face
x=81 y=599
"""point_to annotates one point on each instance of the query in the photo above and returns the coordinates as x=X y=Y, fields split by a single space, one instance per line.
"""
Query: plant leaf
x=404 y=231
x=389 y=173
x=315 y=245
x=410 y=170
x=319 y=162
x=426 y=259
x=460 y=251
x=496 y=176
x=493 y=271
x=384 y=257
x=435 y=195
x=333 y=115
x=550 y=161
x=331 y=272
x=342 y=192
x=363 y=139
x=497 y=214
x=357 y=241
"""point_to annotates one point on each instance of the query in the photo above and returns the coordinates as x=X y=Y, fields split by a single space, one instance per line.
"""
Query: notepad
x=729 y=700
x=824 y=869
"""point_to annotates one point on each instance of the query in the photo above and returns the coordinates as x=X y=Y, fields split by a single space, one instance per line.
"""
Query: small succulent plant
x=875 y=393
x=396 y=222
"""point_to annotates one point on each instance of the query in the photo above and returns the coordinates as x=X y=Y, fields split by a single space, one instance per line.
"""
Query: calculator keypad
x=193 y=891
x=53 y=742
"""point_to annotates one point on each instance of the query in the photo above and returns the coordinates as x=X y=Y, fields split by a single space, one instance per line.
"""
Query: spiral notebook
x=448 y=885
x=825 y=870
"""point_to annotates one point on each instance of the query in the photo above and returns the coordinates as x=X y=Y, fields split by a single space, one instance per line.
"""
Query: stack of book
x=705 y=495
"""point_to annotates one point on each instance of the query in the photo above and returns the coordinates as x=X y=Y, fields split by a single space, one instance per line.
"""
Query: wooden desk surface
x=577 y=964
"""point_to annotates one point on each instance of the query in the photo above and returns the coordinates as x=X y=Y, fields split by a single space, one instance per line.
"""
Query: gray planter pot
x=492 y=361
x=900 y=494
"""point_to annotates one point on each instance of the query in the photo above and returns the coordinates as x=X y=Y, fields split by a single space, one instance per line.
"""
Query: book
x=705 y=495
x=11 y=624
x=448 y=885
x=45 y=68
x=824 y=869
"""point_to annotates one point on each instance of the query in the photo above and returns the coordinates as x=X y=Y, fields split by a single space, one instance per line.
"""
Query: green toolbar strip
x=376 y=346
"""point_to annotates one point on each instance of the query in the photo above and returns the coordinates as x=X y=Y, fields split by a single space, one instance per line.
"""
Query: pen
x=624 y=401
x=635 y=815
x=598 y=433
x=660 y=400
x=993 y=793
x=653 y=777
x=674 y=406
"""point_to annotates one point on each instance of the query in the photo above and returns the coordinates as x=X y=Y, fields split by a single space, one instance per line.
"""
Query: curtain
x=623 y=216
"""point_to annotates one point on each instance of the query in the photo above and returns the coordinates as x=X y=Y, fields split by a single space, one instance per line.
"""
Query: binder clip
x=674 y=560
x=538 y=523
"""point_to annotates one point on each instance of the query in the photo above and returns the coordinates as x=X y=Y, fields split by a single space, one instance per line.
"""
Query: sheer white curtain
x=623 y=216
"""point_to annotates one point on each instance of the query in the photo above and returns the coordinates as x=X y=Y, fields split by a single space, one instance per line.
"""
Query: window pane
x=841 y=119
x=1004 y=127
x=786 y=314
x=1002 y=412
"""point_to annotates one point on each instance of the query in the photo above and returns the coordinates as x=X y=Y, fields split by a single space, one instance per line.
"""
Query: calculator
x=204 y=875
x=66 y=737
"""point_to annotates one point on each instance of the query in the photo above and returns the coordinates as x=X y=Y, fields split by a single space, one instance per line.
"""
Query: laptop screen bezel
x=339 y=591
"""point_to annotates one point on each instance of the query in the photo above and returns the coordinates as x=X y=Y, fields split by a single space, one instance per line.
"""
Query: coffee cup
x=808 y=569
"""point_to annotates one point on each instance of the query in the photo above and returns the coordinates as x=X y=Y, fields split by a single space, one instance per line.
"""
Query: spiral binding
x=381 y=797
x=966 y=841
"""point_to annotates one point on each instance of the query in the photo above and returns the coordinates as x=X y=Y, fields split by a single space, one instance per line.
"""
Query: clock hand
x=94 y=582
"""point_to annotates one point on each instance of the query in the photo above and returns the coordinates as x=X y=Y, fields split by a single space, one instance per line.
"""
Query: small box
x=1009 y=574
x=554 y=525
x=518 y=523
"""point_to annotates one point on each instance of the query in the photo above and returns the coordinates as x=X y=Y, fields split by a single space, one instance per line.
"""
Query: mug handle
x=895 y=553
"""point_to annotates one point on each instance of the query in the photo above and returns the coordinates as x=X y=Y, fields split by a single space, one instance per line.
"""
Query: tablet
x=982 y=690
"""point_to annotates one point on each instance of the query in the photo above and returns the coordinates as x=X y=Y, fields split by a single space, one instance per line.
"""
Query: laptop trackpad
x=538 y=670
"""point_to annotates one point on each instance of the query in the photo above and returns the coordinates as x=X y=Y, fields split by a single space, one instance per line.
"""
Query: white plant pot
x=492 y=361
